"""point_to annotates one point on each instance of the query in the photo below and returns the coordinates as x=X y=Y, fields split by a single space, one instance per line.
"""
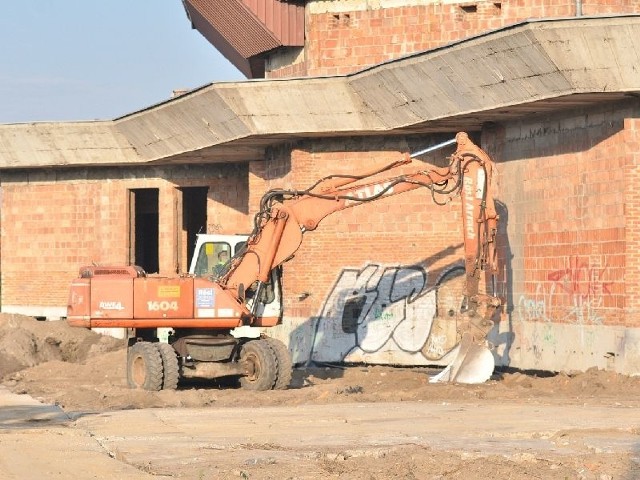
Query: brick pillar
x=168 y=229
x=632 y=219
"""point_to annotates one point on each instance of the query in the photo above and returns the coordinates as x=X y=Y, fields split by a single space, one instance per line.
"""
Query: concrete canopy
x=526 y=68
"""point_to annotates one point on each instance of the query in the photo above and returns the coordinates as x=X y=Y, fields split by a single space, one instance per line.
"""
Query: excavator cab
x=206 y=262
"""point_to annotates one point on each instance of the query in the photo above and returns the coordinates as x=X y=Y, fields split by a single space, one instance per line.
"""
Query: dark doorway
x=194 y=215
x=143 y=229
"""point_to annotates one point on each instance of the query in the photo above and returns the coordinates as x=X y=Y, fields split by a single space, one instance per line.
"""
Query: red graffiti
x=581 y=280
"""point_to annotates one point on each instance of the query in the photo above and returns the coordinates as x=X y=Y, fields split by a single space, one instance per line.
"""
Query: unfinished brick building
x=551 y=89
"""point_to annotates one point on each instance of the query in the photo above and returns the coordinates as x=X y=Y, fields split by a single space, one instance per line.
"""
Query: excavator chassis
x=262 y=363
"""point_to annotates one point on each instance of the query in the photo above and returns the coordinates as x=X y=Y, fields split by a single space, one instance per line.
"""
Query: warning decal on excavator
x=205 y=297
x=169 y=291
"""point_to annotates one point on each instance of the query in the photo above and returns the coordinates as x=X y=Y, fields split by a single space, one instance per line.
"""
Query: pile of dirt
x=26 y=342
x=84 y=371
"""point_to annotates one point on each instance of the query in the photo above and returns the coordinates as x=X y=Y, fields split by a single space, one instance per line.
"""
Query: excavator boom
x=285 y=216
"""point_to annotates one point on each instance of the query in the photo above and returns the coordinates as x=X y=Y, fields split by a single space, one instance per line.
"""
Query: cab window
x=211 y=258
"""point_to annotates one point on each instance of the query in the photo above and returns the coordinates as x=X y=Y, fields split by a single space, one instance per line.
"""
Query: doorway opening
x=194 y=216
x=143 y=228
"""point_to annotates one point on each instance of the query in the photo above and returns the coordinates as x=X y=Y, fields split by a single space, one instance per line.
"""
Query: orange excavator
x=213 y=319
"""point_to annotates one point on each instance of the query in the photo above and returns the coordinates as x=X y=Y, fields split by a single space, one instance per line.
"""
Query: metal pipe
x=578 y=8
x=433 y=148
x=256 y=298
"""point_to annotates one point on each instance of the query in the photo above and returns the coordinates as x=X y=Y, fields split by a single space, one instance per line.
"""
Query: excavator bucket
x=473 y=363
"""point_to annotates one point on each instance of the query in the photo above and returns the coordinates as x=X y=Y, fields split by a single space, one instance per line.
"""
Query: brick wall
x=228 y=198
x=53 y=223
x=567 y=182
x=51 y=229
x=343 y=36
x=565 y=185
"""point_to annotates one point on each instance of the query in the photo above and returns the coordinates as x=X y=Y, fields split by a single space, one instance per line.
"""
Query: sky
x=67 y=60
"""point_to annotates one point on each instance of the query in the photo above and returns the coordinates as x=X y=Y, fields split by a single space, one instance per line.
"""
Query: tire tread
x=152 y=364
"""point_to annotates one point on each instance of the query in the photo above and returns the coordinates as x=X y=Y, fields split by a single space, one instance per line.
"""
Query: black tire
x=144 y=367
x=285 y=364
x=261 y=366
x=170 y=366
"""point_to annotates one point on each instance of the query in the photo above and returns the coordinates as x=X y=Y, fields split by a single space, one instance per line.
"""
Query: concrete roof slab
x=31 y=145
x=533 y=66
x=593 y=54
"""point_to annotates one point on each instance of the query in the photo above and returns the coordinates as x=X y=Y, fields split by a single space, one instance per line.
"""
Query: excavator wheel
x=285 y=365
x=144 y=366
x=170 y=366
x=260 y=364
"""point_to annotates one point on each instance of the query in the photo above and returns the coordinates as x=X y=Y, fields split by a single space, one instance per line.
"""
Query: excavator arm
x=286 y=215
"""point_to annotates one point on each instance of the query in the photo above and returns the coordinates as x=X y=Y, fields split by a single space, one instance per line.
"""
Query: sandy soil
x=85 y=372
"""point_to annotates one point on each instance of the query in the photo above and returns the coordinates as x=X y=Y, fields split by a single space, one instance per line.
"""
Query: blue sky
x=65 y=60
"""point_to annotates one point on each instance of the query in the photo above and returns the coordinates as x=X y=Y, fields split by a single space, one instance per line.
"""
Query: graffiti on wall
x=575 y=294
x=385 y=314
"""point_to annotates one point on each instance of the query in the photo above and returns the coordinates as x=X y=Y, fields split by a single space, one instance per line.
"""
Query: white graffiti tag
x=381 y=311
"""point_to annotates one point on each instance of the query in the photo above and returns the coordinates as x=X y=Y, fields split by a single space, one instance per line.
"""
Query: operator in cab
x=223 y=258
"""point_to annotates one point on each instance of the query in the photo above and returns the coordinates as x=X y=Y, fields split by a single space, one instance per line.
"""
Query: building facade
x=554 y=101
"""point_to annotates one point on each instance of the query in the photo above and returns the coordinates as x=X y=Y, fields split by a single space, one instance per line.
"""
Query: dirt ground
x=85 y=372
